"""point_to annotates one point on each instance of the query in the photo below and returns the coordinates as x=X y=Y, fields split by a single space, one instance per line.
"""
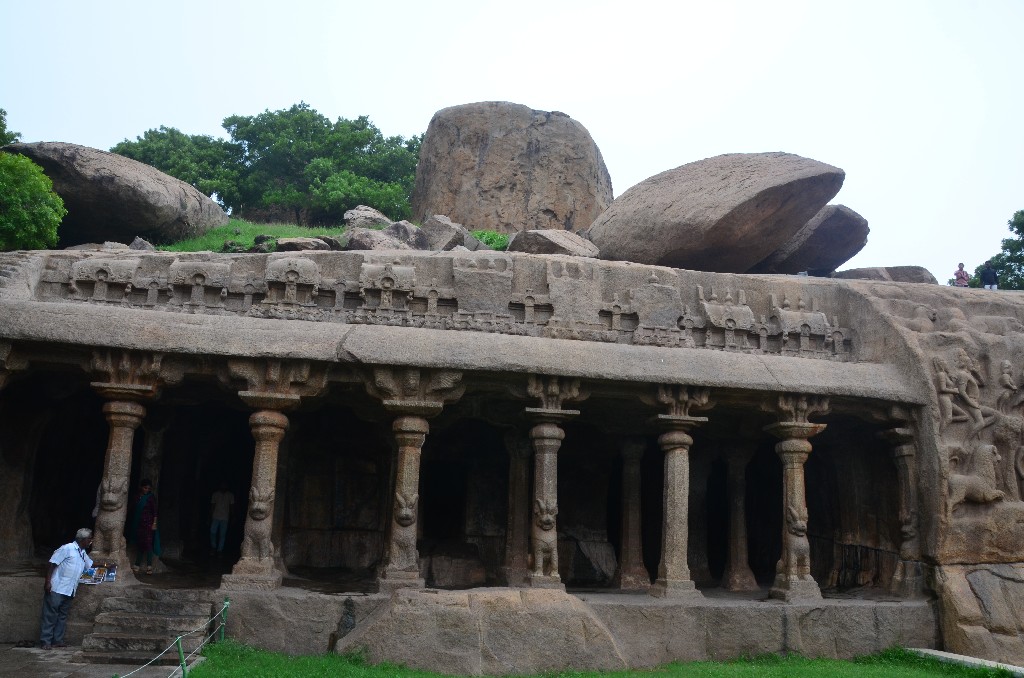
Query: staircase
x=134 y=628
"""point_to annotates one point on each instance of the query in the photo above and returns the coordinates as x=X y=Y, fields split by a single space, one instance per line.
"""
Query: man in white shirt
x=63 y=571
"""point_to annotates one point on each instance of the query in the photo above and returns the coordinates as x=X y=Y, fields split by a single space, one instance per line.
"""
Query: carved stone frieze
x=558 y=298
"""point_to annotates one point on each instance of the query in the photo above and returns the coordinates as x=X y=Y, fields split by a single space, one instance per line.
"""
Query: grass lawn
x=230 y=659
x=214 y=240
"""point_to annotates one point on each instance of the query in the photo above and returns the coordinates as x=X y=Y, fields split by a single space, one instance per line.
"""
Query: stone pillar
x=401 y=566
x=547 y=437
x=515 y=569
x=631 y=575
x=673 y=572
x=697 y=518
x=908 y=580
x=793 y=579
x=123 y=416
x=258 y=568
x=737 y=575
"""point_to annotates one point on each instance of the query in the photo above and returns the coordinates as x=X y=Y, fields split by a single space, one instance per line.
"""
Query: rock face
x=365 y=217
x=722 y=214
x=552 y=242
x=826 y=242
x=505 y=167
x=915 y=274
x=110 y=197
x=487 y=631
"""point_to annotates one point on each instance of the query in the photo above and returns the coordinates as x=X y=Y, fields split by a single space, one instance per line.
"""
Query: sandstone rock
x=301 y=244
x=723 y=214
x=332 y=242
x=552 y=242
x=408 y=233
x=365 y=217
x=830 y=239
x=444 y=234
x=140 y=244
x=915 y=274
x=109 y=196
x=502 y=166
x=107 y=246
x=368 y=239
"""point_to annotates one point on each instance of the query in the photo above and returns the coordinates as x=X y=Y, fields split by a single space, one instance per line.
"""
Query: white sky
x=921 y=102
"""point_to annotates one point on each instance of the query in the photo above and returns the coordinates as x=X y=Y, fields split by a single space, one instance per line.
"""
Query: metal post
x=224 y=616
x=181 y=658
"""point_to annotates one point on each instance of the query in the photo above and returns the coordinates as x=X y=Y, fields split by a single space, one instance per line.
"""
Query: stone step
x=127 y=658
x=208 y=596
x=170 y=625
x=157 y=606
x=137 y=642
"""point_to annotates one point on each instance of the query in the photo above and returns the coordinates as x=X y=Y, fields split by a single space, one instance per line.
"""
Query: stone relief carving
x=257 y=543
x=109 y=534
x=795 y=563
x=544 y=538
x=483 y=292
x=403 y=554
x=978 y=483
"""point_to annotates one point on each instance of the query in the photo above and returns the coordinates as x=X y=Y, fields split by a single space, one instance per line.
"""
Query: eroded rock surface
x=830 y=239
x=914 y=274
x=505 y=167
x=723 y=214
x=110 y=197
x=552 y=242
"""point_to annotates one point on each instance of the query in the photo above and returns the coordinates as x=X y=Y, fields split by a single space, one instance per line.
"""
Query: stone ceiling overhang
x=199 y=335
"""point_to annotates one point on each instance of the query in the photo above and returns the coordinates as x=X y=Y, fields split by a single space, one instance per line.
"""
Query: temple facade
x=599 y=436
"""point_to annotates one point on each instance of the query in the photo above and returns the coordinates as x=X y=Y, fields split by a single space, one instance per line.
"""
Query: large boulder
x=831 y=238
x=111 y=197
x=443 y=234
x=362 y=216
x=721 y=214
x=914 y=274
x=505 y=167
x=369 y=239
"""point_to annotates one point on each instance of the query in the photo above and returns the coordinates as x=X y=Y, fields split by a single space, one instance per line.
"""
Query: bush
x=493 y=239
x=29 y=209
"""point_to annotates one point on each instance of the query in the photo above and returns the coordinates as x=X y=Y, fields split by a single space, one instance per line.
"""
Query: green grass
x=214 y=240
x=493 y=239
x=230 y=659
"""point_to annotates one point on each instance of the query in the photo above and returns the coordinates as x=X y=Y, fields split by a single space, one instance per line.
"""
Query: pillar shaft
x=908 y=578
x=547 y=438
x=673 y=571
x=631 y=575
x=401 y=567
x=123 y=416
x=257 y=567
x=738 y=575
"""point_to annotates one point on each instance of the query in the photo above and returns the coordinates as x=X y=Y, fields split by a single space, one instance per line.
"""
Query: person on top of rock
x=961 y=278
x=62 y=573
x=989 y=277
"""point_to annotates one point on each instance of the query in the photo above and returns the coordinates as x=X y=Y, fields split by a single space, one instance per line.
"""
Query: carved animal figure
x=257 y=543
x=403 y=555
x=795 y=563
x=108 y=535
x=545 y=538
x=979 y=486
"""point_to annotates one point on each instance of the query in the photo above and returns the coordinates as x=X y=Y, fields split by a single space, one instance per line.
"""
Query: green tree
x=6 y=137
x=1010 y=260
x=30 y=211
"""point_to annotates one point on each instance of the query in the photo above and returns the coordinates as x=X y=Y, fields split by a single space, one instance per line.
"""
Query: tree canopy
x=30 y=211
x=293 y=159
x=6 y=137
x=1009 y=263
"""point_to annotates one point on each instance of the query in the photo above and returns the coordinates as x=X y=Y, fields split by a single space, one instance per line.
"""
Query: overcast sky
x=921 y=102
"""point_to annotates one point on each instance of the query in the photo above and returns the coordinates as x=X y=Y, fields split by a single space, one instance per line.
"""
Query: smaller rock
x=408 y=233
x=549 y=241
x=140 y=244
x=368 y=239
x=110 y=245
x=365 y=217
x=335 y=244
x=445 y=235
x=914 y=274
x=232 y=247
x=262 y=247
x=301 y=244
x=261 y=238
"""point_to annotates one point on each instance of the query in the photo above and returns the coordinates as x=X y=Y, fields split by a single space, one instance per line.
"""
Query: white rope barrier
x=175 y=643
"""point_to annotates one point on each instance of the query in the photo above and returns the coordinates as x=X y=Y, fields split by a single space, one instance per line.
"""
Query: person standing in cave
x=220 y=513
x=144 y=529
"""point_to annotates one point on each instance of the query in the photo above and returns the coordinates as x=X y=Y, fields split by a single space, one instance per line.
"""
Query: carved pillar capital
x=554 y=391
x=412 y=390
x=130 y=375
x=268 y=384
x=796 y=407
